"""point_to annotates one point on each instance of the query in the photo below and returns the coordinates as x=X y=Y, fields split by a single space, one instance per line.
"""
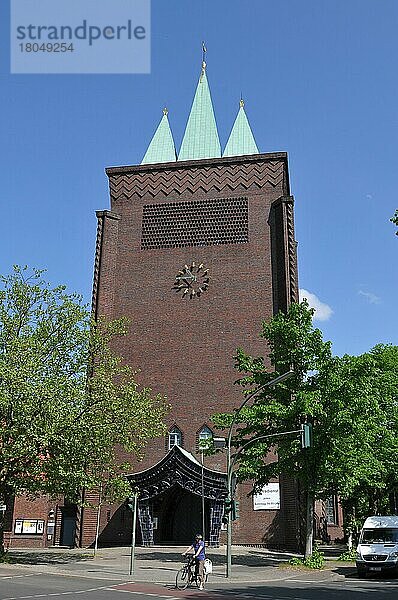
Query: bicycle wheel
x=182 y=579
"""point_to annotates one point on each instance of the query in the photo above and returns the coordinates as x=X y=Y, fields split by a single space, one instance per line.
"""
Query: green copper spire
x=241 y=140
x=201 y=135
x=161 y=149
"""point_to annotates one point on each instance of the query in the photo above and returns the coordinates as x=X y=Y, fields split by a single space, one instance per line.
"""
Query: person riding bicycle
x=198 y=547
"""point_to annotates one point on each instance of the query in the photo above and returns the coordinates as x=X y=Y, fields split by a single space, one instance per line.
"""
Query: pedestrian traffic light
x=306 y=435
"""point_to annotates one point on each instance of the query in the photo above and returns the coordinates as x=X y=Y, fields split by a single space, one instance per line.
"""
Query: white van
x=377 y=549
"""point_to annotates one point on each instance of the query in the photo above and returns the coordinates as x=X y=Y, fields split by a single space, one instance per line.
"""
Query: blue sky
x=319 y=81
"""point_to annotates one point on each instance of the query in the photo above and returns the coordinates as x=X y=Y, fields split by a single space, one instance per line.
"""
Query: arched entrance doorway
x=178 y=516
x=170 y=500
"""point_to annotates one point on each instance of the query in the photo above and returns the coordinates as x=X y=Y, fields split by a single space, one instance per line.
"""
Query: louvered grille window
x=195 y=223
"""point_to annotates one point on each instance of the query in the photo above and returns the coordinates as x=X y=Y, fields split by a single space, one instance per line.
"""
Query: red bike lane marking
x=166 y=592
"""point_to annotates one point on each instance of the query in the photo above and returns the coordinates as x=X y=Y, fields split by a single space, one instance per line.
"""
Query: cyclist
x=198 y=547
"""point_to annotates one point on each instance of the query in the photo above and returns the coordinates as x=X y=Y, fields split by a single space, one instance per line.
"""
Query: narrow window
x=175 y=437
x=331 y=510
x=205 y=433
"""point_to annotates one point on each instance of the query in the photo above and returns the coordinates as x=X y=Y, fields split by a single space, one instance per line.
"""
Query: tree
x=348 y=400
x=394 y=220
x=371 y=488
x=66 y=399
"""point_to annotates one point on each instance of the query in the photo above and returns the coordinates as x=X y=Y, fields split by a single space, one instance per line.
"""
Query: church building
x=196 y=250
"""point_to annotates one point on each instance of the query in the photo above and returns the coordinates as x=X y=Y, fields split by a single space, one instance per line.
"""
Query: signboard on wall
x=268 y=499
x=29 y=526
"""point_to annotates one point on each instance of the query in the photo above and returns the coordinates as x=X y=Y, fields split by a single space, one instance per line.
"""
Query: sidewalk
x=159 y=564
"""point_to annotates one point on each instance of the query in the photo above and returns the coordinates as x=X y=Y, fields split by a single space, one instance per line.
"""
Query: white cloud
x=371 y=298
x=323 y=312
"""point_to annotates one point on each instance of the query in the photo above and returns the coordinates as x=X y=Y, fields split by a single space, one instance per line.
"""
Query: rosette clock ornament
x=192 y=280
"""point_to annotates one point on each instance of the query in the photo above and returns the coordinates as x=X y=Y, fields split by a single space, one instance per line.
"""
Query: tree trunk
x=3 y=500
x=2 y=523
x=309 y=529
x=393 y=497
x=349 y=540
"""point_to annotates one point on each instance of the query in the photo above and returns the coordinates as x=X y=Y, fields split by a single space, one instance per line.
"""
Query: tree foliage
x=66 y=400
x=394 y=219
x=351 y=401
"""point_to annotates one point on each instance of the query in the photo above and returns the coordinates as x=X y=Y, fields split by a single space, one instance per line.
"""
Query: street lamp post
x=271 y=383
x=203 y=496
x=97 y=527
x=132 y=504
x=204 y=444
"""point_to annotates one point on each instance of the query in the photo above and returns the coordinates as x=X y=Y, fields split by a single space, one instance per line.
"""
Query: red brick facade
x=35 y=523
x=184 y=347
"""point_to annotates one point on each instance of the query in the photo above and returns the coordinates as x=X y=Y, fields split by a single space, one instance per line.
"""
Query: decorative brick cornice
x=292 y=250
x=102 y=215
x=207 y=176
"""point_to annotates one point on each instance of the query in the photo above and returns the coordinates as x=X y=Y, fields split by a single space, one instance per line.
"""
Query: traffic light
x=306 y=435
x=228 y=506
x=231 y=509
x=131 y=502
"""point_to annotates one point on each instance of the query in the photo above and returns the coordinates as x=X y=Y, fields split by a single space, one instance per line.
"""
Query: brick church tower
x=196 y=250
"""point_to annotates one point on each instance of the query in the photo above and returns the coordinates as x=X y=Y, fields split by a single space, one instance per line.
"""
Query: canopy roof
x=179 y=467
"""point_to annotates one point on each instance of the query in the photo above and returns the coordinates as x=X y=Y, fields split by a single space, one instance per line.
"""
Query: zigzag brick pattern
x=292 y=260
x=205 y=179
x=96 y=265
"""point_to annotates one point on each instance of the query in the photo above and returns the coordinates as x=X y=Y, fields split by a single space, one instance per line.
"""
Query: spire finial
x=204 y=50
x=241 y=102
x=165 y=111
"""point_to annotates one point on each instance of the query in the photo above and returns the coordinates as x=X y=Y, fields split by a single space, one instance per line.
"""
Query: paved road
x=19 y=585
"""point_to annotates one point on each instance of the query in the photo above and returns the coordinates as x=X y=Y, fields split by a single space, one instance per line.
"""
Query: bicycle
x=187 y=576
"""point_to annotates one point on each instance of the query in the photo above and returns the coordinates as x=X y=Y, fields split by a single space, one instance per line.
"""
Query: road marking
x=142 y=594
x=305 y=581
x=261 y=597
x=15 y=576
x=104 y=587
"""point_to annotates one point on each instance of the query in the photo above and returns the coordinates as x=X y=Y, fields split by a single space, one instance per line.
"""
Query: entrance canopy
x=179 y=467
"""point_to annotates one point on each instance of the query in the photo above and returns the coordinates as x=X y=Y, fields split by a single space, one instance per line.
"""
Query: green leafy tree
x=394 y=220
x=348 y=400
x=371 y=488
x=67 y=401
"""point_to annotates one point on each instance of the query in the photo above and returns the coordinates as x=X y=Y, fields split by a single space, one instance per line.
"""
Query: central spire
x=201 y=136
